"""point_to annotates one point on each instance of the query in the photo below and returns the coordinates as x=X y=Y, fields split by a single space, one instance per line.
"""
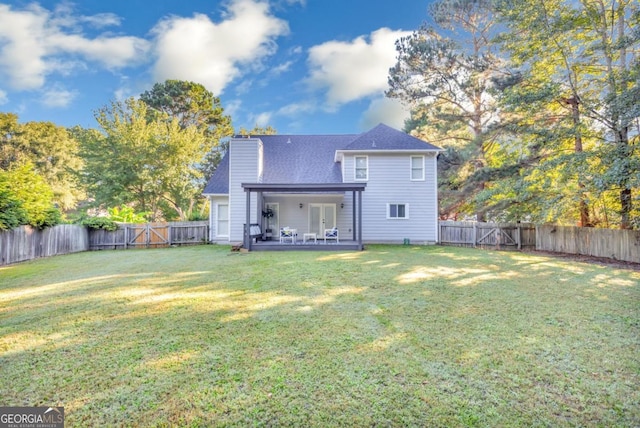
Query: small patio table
x=308 y=237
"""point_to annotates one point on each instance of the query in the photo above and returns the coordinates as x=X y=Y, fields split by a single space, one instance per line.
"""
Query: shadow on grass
x=390 y=336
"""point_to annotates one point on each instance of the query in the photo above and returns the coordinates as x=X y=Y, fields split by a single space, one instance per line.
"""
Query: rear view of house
x=376 y=187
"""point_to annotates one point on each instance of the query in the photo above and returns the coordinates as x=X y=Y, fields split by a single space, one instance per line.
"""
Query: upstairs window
x=417 y=168
x=361 y=168
x=397 y=211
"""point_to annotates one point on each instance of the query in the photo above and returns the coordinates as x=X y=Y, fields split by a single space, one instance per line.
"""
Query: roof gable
x=383 y=137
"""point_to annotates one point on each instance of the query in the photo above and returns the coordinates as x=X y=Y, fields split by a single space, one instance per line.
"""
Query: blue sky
x=301 y=66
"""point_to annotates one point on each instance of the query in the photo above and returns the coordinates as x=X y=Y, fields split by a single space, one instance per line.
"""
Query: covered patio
x=351 y=241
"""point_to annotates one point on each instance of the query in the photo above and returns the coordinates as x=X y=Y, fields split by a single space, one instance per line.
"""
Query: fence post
x=519 y=235
x=475 y=234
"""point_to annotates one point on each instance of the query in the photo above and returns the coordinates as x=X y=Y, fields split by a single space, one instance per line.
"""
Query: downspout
x=353 y=216
x=360 y=219
x=247 y=224
x=211 y=218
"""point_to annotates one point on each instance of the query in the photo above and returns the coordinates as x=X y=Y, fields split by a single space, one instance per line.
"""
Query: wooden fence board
x=26 y=243
x=608 y=243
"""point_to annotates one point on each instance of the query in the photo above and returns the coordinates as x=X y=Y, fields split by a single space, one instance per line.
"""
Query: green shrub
x=125 y=214
x=26 y=198
x=12 y=213
x=99 y=223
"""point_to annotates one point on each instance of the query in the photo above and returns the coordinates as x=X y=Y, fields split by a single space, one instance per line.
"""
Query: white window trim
x=355 y=167
x=411 y=168
x=406 y=212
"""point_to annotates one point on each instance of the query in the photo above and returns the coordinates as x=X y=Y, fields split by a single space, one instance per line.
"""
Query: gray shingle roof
x=383 y=137
x=218 y=184
x=302 y=158
x=305 y=159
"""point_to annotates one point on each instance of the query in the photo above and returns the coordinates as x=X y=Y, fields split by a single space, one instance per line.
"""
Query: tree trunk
x=625 y=200
x=583 y=207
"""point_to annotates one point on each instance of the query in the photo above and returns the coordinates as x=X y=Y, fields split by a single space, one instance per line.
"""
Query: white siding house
x=303 y=181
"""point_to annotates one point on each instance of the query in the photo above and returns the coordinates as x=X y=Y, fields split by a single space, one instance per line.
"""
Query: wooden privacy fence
x=26 y=243
x=610 y=243
x=488 y=235
x=150 y=235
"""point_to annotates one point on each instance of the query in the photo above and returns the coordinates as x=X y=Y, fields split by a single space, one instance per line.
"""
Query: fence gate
x=148 y=235
x=494 y=235
x=497 y=236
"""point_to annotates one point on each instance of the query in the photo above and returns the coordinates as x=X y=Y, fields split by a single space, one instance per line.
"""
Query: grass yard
x=399 y=336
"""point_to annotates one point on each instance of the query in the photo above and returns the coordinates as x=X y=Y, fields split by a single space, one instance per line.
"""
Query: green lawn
x=437 y=336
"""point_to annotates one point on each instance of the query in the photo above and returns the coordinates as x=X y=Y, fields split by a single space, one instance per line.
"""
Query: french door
x=321 y=217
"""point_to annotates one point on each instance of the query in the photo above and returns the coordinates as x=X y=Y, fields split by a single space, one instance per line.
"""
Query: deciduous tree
x=574 y=100
x=143 y=158
x=49 y=148
x=193 y=106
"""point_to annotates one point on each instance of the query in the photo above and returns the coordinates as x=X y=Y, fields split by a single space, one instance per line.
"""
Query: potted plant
x=268 y=232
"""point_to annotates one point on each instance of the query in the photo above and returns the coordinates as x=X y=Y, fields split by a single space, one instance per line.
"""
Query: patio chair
x=286 y=233
x=331 y=234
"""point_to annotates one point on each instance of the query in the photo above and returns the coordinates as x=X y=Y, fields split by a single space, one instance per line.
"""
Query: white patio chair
x=331 y=234
x=286 y=233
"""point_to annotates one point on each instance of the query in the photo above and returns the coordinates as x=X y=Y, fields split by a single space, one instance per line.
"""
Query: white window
x=397 y=211
x=222 y=220
x=361 y=168
x=417 y=168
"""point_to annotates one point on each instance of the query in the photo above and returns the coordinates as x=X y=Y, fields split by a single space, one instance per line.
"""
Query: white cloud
x=112 y=52
x=244 y=86
x=261 y=119
x=57 y=96
x=384 y=110
x=281 y=68
x=295 y=109
x=232 y=108
x=214 y=54
x=35 y=43
x=4 y=98
x=124 y=92
x=101 y=20
x=353 y=70
x=64 y=16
